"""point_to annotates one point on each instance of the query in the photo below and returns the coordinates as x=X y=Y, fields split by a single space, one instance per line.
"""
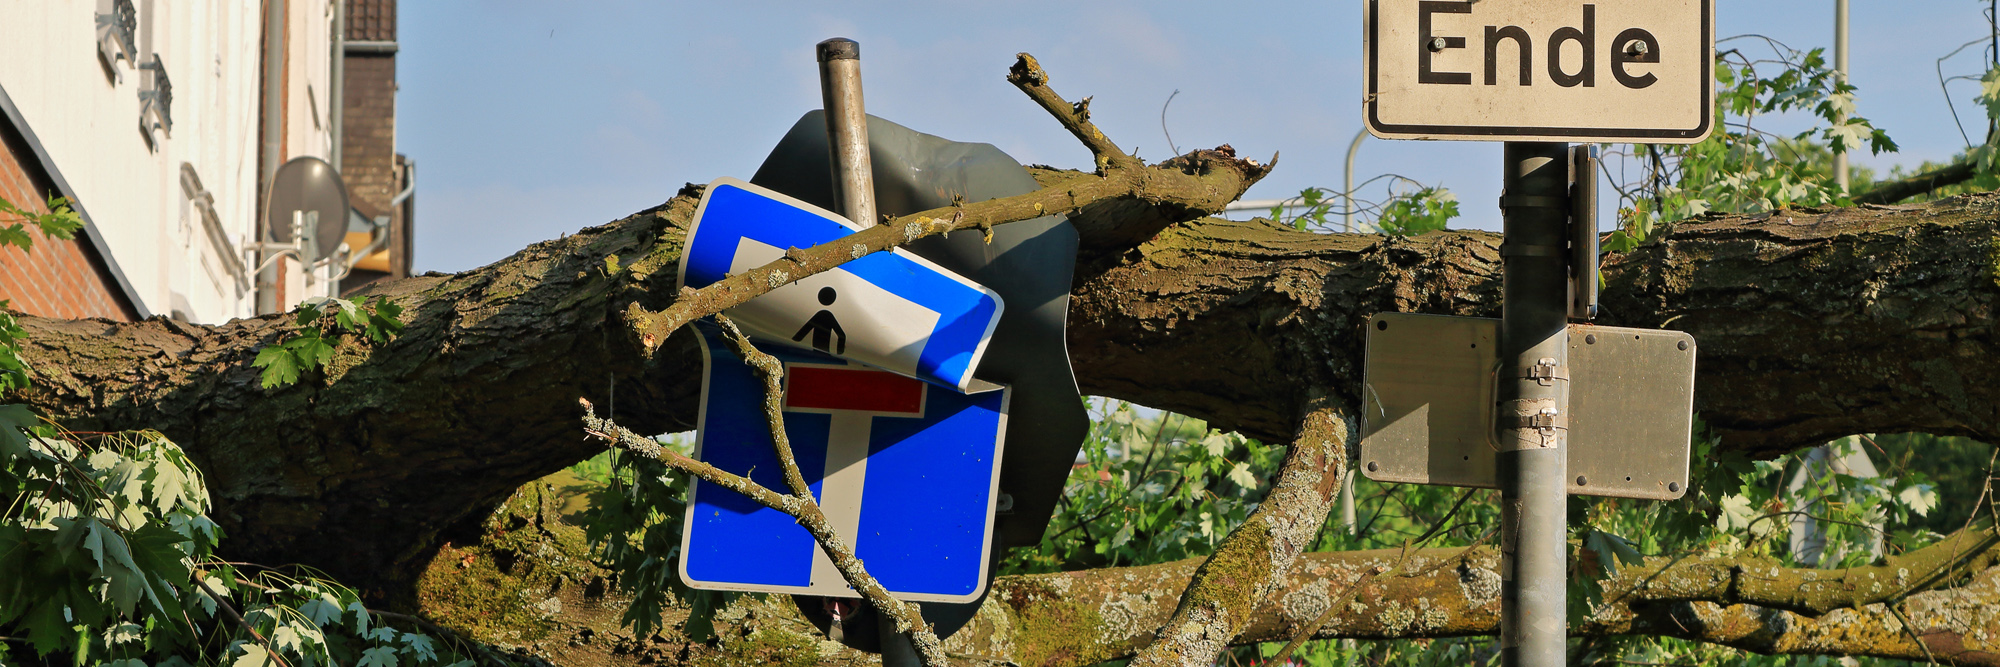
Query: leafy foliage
x=320 y=320
x=109 y=555
x=634 y=523
x=1742 y=168
x=60 y=222
x=1409 y=208
x=1150 y=490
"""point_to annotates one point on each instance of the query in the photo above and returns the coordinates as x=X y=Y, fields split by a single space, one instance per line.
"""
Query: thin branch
x=1910 y=630
x=801 y=506
x=230 y=611
x=1183 y=181
x=1930 y=181
x=1028 y=75
x=773 y=374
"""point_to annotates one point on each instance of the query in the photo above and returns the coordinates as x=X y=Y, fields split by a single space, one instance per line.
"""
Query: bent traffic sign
x=892 y=310
x=906 y=472
x=1540 y=70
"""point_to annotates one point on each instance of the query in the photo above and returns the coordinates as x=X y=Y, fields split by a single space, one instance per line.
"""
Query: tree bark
x=1082 y=618
x=1813 y=325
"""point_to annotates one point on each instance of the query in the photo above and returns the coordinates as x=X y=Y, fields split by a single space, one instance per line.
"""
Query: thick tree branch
x=1813 y=324
x=1257 y=556
x=1080 y=618
x=1890 y=192
x=397 y=448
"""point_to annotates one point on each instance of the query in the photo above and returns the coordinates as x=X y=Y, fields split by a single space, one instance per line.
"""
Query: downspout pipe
x=274 y=126
x=337 y=97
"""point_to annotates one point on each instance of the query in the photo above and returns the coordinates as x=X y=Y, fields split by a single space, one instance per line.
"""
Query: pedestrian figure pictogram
x=823 y=326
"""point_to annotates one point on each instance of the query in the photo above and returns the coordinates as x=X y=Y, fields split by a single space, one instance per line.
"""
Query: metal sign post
x=854 y=189
x=1441 y=405
x=1533 y=410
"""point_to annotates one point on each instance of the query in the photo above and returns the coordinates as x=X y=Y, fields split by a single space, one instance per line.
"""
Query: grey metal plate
x=1428 y=405
x=1631 y=405
x=1427 y=400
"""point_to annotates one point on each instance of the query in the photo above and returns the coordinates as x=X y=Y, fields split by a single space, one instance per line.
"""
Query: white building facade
x=164 y=120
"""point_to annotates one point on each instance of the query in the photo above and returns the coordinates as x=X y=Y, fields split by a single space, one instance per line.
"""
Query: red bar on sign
x=824 y=388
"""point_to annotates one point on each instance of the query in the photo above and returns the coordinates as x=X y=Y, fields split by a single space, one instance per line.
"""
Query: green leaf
x=420 y=646
x=15 y=423
x=1612 y=550
x=324 y=610
x=253 y=656
x=16 y=235
x=208 y=604
x=380 y=656
x=1920 y=498
x=280 y=368
x=124 y=633
x=360 y=617
x=1241 y=475
x=124 y=582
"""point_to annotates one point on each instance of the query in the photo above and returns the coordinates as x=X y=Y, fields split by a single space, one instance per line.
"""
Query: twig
x=1027 y=75
x=230 y=611
x=773 y=374
x=800 y=506
x=1905 y=622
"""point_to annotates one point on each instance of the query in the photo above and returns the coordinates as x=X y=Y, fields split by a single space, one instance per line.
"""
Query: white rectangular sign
x=1637 y=71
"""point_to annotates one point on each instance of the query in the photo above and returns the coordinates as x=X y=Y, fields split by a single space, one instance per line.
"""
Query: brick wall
x=369 y=165
x=368 y=124
x=66 y=279
x=371 y=20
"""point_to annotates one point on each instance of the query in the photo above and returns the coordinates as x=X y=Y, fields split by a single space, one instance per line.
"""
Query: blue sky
x=533 y=119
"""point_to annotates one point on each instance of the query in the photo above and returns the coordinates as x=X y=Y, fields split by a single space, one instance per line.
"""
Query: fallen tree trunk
x=1949 y=593
x=1812 y=325
x=1082 y=618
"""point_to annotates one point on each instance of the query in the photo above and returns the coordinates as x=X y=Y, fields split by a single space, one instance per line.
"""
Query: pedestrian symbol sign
x=905 y=471
x=824 y=326
x=891 y=310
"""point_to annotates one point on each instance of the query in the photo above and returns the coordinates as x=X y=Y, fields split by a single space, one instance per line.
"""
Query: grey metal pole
x=336 y=106
x=1347 y=225
x=847 y=129
x=854 y=192
x=1534 y=405
x=273 y=120
x=1347 y=502
x=1840 y=74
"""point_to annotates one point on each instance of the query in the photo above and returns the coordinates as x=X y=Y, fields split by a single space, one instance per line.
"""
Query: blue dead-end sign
x=907 y=471
x=892 y=310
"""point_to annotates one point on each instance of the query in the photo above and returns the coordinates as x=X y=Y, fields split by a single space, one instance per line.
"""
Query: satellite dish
x=310 y=186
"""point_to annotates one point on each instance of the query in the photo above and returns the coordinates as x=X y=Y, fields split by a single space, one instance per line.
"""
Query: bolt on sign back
x=1638 y=71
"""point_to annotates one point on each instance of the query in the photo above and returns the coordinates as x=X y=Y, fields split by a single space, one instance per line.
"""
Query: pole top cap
x=839 y=48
